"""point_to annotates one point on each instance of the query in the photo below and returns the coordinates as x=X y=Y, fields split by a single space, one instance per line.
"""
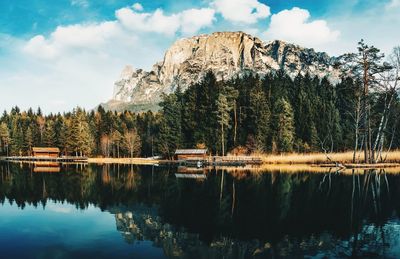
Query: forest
x=247 y=114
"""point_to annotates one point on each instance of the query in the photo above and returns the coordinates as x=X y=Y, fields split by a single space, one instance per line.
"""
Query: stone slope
x=226 y=54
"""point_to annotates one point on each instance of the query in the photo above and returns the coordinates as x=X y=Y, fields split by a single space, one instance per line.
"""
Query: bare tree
x=132 y=142
x=105 y=145
x=42 y=123
x=389 y=85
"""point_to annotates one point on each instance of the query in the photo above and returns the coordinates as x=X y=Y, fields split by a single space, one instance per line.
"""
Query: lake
x=102 y=211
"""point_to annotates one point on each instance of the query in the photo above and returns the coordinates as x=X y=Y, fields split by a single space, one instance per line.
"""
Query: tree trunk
x=357 y=125
x=370 y=151
x=382 y=127
x=235 y=126
x=366 y=125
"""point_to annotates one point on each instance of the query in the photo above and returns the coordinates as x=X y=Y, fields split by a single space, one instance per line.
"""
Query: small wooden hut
x=191 y=154
x=45 y=152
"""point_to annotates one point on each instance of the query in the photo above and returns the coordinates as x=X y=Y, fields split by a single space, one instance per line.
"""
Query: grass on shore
x=321 y=158
x=110 y=160
x=346 y=158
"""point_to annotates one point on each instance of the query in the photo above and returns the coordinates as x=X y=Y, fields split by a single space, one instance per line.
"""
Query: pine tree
x=80 y=137
x=17 y=140
x=171 y=125
x=29 y=140
x=49 y=135
x=283 y=125
x=4 y=138
x=64 y=137
x=222 y=112
x=260 y=114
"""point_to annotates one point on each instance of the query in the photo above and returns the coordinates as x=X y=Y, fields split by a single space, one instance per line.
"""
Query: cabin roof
x=46 y=149
x=191 y=151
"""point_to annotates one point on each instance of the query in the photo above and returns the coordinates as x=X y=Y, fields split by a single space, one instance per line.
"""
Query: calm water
x=151 y=212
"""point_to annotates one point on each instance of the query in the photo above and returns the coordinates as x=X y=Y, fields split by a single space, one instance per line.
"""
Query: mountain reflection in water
x=230 y=213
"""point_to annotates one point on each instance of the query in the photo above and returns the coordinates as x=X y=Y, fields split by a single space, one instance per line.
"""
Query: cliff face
x=226 y=54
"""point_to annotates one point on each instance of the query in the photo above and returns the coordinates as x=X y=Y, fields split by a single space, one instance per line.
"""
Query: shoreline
x=342 y=158
x=335 y=160
x=319 y=160
x=126 y=161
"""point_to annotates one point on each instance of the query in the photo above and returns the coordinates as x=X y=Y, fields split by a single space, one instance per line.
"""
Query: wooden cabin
x=52 y=152
x=191 y=154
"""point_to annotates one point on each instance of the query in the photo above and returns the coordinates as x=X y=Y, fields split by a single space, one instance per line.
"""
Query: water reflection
x=231 y=213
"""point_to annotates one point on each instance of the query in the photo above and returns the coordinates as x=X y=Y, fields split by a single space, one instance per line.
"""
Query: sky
x=67 y=53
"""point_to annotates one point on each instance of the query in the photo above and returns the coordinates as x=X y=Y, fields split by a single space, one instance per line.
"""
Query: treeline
x=270 y=114
x=274 y=113
x=93 y=133
x=245 y=115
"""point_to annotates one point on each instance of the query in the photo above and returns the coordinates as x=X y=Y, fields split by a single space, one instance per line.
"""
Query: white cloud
x=188 y=21
x=39 y=47
x=393 y=4
x=80 y=3
x=78 y=36
x=149 y=22
x=377 y=26
x=85 y=36
x=137 y=7
x=193 y=20
x=294 y=26
x=66 y=40
x=241 y=11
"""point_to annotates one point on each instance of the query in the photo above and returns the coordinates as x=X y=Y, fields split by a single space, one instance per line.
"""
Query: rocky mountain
x=227 y=54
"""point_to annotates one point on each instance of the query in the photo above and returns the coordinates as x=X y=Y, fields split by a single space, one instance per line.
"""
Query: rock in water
x=227 y=54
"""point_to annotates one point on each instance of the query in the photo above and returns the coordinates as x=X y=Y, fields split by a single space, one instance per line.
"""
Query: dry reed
x=321 y=158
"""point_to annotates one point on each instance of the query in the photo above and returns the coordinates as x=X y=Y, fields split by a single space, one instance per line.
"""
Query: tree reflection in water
x=231 y=213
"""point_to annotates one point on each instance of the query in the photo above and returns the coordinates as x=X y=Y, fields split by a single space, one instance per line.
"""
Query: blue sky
x=64 y=53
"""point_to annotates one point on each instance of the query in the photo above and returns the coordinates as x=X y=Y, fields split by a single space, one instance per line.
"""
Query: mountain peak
x=226 y=54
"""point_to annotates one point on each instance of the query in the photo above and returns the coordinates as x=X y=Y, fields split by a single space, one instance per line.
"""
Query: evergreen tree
x=17 y=140
x=63 y=137
x=304 y=98
x=171 y=127
x=222 y=112
x=283 y=125
x=260 y=114
x=49 y=135
x=4 y=138
x=80 y=138
x=29 y=140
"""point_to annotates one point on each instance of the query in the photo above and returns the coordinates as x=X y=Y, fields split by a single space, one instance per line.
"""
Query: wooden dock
x=62 y=159
x=191 y=176
x=234 y=160
x=221 y=161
